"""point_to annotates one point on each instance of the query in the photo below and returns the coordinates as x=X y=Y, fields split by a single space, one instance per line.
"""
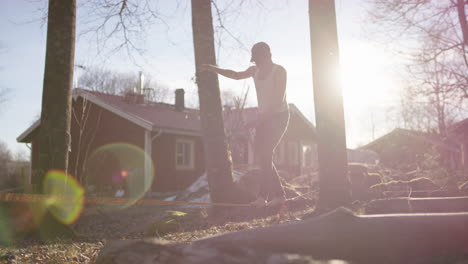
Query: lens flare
x=6 y=229
x=120 y=170
x=17 y=218
x=66 y=196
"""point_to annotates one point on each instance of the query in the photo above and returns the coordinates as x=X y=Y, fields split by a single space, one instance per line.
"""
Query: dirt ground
x=99 y=224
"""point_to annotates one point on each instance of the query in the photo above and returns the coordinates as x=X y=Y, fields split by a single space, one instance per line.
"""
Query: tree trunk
x=337 y=235
x=329 y=114
x=218 y=161
x=54 y=133
x=462 y=18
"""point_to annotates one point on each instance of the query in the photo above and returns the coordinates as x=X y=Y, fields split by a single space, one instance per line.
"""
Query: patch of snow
x=119 y=193
x=237 y=175
x=201 y=182
x=198 y=192
x=170 y=198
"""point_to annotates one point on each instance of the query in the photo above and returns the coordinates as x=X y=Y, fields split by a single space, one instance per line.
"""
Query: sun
x=366 y=75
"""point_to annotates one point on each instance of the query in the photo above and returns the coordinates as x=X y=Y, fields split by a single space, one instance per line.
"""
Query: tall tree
x=5 y=157
x=432 y=98
x=218 y=161
x=54 y=134
x=328 y=100
x=433 y=37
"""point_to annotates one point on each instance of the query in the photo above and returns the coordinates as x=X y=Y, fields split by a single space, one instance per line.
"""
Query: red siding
x=167 y=177
x=461 y=135
x=298 y=132
x=102 y=127
x=34 y=160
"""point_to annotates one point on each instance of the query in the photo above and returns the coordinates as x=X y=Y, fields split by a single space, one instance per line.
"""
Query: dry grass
x=58 y=252
x=98 y=225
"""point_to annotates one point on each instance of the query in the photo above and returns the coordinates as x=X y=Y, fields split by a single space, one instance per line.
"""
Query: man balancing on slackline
x=273 y=118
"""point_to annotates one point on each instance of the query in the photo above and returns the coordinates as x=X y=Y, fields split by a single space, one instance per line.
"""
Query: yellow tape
x=22 y=197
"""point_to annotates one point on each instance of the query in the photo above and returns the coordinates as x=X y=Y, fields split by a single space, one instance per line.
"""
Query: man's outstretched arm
x=229 y=73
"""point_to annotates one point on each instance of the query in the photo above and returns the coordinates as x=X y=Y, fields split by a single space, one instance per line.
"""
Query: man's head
x=260 y=53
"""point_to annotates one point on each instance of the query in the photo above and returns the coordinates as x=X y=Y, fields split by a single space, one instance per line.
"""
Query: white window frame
x=293 y=153
x=191 y=154
x=307 y=163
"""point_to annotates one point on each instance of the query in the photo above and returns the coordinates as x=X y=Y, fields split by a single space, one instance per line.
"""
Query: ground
x=99 y=224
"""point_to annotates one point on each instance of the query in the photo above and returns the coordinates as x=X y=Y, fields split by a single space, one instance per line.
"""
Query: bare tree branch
x=122 y=25
x=431 y=35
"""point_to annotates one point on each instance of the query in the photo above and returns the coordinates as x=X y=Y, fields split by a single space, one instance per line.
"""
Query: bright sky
x=369 y=82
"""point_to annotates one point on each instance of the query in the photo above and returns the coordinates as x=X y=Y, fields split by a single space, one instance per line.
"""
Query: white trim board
x=28 y=131
x=136 y=120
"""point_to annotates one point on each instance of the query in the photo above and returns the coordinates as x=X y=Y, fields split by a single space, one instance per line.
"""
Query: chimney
x=140 y=83
x=179 y=99
x=137 y=96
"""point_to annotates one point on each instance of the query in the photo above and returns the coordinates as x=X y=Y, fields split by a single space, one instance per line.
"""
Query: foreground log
x=418 y=205
x=337 y=235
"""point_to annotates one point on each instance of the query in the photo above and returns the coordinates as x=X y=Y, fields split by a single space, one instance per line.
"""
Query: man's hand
x=227 y=73
x=207 y=68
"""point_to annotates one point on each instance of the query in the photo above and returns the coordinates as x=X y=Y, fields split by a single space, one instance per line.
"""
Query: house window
x=279 y=153
x=293 y=153
x=185 y=154
x=307 y=157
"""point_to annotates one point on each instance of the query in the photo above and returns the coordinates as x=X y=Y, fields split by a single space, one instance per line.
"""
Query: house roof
x=397 y=132
x=459 y=126
x=156 y=116
x=296 y=110
x=27 y=134
x=248 y=116
x=430 y=139
x=151 y=116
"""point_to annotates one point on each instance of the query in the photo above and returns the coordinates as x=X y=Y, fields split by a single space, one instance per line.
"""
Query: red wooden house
x=169 y=133
x=403 y=147
x=459 y=133
x=295 y=154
